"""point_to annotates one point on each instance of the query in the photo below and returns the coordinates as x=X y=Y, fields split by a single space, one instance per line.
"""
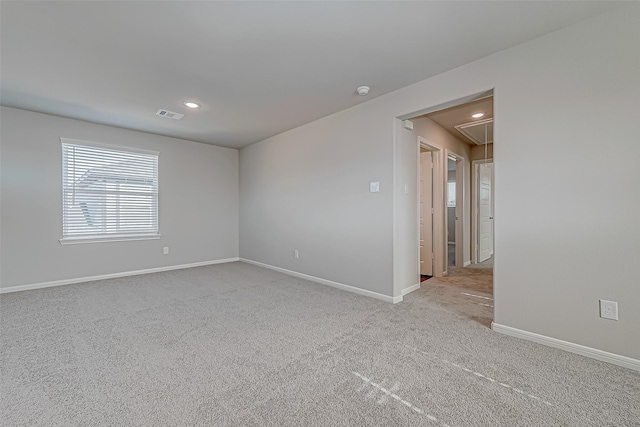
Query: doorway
x=426 y=213
x=483 y=211
x=451 y=211
x=455 y=209
x=461 y=208
x=459 y=136
x=431 y=236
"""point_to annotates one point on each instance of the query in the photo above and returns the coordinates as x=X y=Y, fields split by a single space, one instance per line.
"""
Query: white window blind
x=108 y=192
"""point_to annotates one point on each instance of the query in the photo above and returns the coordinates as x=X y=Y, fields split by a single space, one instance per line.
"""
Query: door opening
x=452 y=216
x=426 y=212
x=430 y=198
x=484 y=210
x=455 y=209
x=446 y=224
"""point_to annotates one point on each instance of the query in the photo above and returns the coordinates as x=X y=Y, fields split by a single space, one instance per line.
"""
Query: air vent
x=169 y=114
x=475 y=131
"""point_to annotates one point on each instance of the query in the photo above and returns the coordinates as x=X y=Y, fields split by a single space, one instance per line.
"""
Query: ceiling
x=256 y=68
x=461 y=115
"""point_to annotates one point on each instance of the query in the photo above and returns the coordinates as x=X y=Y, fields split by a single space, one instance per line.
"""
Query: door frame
x=475 y=236
x=439 y=207
x=460 y=211
x=422 y=202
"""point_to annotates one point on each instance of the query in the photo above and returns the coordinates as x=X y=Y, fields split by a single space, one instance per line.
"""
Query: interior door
x=426 y=213
x=485 y=230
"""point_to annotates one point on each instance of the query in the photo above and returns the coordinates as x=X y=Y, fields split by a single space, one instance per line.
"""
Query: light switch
x=374 y=187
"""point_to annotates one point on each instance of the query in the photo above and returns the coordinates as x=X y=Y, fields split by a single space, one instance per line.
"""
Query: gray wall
x=198 y=202
x=571 y=96
x=308 y=189
x=406 y=206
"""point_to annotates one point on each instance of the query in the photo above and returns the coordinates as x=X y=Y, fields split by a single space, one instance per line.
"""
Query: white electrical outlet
x=374 y=187
x=165 y=250
x=296 y=254
x=608 y=309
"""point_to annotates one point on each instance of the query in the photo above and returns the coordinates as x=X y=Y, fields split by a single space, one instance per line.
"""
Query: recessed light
x=477 y=115
x=191 y=104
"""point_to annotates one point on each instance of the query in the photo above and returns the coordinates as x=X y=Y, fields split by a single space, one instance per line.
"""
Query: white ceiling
x=461 y=114
x=257 y=68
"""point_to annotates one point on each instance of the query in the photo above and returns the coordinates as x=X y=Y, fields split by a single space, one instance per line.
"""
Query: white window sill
x=114 y=238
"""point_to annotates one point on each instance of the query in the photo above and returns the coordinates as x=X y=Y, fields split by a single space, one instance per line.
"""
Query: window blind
x=108 y=192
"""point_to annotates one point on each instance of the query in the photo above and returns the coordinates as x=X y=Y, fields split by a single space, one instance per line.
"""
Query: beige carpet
x=467 y=284
x=488 y=263
x=238 y=345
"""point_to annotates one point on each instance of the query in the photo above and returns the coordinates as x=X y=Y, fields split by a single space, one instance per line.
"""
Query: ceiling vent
x=169 y=114
x=475 y=131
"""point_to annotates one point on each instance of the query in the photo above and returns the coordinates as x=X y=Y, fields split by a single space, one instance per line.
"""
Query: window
x=108 y=193
x=451 y=194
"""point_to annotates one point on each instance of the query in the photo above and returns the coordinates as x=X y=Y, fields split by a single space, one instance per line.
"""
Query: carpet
x=238 y=345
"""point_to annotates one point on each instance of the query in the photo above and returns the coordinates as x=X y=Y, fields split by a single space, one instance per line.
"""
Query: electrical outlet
x=165 y=250
x=608 y=309
x=296 y=254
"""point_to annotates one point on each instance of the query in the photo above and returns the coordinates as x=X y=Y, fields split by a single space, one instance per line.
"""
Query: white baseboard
x=331 y=283
x=111 y=276
x=410 y=289
x=616 y=359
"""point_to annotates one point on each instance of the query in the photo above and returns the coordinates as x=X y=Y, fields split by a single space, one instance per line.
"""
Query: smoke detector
x=363 y=90
x=169 y=114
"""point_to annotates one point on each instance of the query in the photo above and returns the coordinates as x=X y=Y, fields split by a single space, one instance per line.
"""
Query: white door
x=460 y=213
x=485 y=229
x=426 y=212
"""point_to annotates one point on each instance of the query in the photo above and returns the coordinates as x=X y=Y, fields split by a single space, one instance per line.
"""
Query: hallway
x=466 y=291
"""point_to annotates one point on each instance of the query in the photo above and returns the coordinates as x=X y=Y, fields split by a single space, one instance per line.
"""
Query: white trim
x=331 y=283
x=72 y=141
x=443 y=106
x=593 y=353
x=111 y=276
x=410 y=289
x=467 y=263
x=117 y=238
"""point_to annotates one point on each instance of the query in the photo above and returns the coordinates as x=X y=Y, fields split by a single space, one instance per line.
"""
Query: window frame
x=99 y=238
